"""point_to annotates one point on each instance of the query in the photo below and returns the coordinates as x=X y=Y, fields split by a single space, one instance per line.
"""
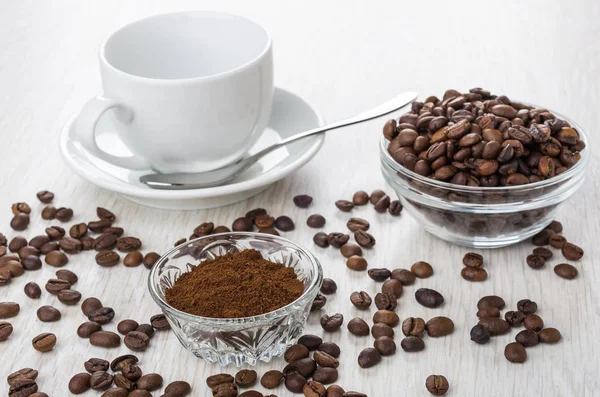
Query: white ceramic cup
x=191 y=91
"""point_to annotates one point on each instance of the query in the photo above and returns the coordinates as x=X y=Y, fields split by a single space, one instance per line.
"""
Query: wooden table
x=343 y=57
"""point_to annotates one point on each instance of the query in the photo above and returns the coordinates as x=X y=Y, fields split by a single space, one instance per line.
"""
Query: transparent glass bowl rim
x=578 y=167
x=265 y=317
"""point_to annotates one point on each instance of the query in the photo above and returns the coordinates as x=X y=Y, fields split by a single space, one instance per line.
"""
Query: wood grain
x=343 y=57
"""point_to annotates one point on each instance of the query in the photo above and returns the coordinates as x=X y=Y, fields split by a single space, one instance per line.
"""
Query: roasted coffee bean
x=221 y=229
x=515 y=352
x=305 y=367
x=17 y=243
x=312 y=389
x=24 y=373
x=284 y=223
x=330 y=348
x=5 y=276
x=542 y=238
x=252 y=214
x=535 y=261
x=357 y=326
x=67 y=275
x=406 y=277
x=64 y=214
x=51 y=246
x=369 y=357
x=53 y=286
x=412 y=344
x=90 y=305
x=180 y=388
x=78 y=230
x=357 y=263
x=565 y=270
x=382 y=204
x=514 y=318
x=15 y=268
x=421 y=269
x=332 y=323
x=55 y=232
x=49 y=212
x=472 y=259
x=44 y=342
x=364 y=239
x=315 y=221
x=302 y=200
x=23 y=388
x=355 y=224
x=488 y=312
x=318 y=303
x=354 y=394
x=48 y=314
x=39 y=241
x=325 y=360
x=120 y=362
x=360 y=198
x=101 y=380
x=105 y=214
x=101 y=226
x=102 y=316
x=28 y=251
x=160 y=322
x=271 y=379
x=376 y=195
x=126 y=326
x=132 y=259
x=123 y=382
x=328 y=287
x=310 y=341
x=491 y=301
x=325 y=375
x=80 y=383
x=379 y=274
x=128 y=244
x=480 y=334
x=380 y=329
x=20 y=222
x=337 y=240
x=96 y=364
x=549 y=335
x=527 y=338
x=296 y=352
x=543 y=252
x=557 y=241
x=86 y=329
x=105 y=242
x=555 y=226
x=45 y=196
x=392 y=287
x=105 y=339
x=571 y=252
x=395 y=208
x=429 y=298
x=242 y=224
x=387 y=317
x=533 y=322
x=32 y=290
x=116 y=392
x=473 y=274
x=527 y=306
x=150 y=259
x=321 y=240
x=6 y=330
x=335 y=391
x=107 y=258
x=295 y=382
x=386 y=301
x=344 y=205
x=413 y=326
x=146 y=393
x=439 y=326
x=136 y=341
x=495 y=325
x=437 y=385
x=264 y=221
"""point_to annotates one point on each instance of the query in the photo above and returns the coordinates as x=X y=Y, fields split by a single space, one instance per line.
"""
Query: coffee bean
x=439 y=326
x=364 y=239
x=120 y=362
x=24 y=373
x=39 y=241
x=392 y=287
x=395 y=208
x=96 y=364
x=325 y=360
x=356 y=224
x=105 y=242
x=543 y=252
x=330 y=348
x=66 y=275
x=48 y=314
x=17 y=243
x=102 y=315
x=321 y=240
x=80 y=383
x=126 y=326
x=368 y=357
x=350 y=249
x=360 y=198
x=160 y=322
x=344 y=205
x=128 y=244
x=264 y=221
x=136 y=341
x=406 y=277
x=515 y=352
x=491 y=301
x=380 y=329
x=357 y=263
x=318 y=303
x=429 y=298
x=116 y=392
x=150 y=259
x=332 y=323
x=64 y=214
x=123 y=382
x=387 y=317
x=315 y=221
x=86 y=329
x=284 y=223
x=296 y=352
x=242 y=224
x=357 y=326
x=496 y=326
x=488 y=312
x=565 y=270
x=105 y=214
x=514 y=318
x=146 y=393
x=413 y=326
x=557 y=241
x=107 y=258
x=310 y=341
x=55 y=232
x=572 y=252
x=474 y=274
x=101 y=380
x=49 y=212
x=542 y=238
x=328 y=287
x=305 y=367
x=78 y=230
x=45 y=196
x=337 y=240
x=421 y=269
x=412 y=344
x=549 y=335
x=354 y=394
x=181 y=388
x=527 y=306
x=51 y=246
x=6 y=330
x=325 y=375
x=104 y=226
x=533 y=322
x=221 y=229
x=32 y=290
x=5 y=276
x=480 y=334
x=132 y=259
x=535 y=261
x=105 y=339
x=386 y=301
x=527 y=338
x=44 y=342
x=379 y=274
x=437 y=385
x=20 y=222
x=9 y=309
x=302 y=200
x=472 y=259
x=313 y=389
x=385 y=345
x=382 y=204
x=271 y=379
x=295 y=382
x=90 y=305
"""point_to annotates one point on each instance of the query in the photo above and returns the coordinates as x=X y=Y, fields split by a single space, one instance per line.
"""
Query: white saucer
x=290 y=115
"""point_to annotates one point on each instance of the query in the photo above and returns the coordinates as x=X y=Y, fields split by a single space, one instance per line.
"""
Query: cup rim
x=211 y=77
x=265 y=317
x=580 y=165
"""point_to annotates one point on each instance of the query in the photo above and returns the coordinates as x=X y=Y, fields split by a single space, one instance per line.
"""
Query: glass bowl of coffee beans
x=482 y=170
x=236 y=298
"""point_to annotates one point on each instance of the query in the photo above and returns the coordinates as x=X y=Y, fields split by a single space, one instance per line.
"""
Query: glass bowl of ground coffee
x=480 y=170
x=236 y=298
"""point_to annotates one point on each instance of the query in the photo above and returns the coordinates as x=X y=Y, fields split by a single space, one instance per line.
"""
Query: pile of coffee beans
x=480 y=139
x=127 y=378
x=473 y=270
x=23 y=383
x=552 y=236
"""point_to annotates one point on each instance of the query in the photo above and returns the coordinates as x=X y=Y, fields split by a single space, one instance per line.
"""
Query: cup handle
x=85 y=131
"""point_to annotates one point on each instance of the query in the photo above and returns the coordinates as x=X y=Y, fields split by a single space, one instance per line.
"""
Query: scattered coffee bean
x=15 y=268
x=45 y=196
x=527 y=338
x=5 y=276
x=31 y=263
x=264 y=221
x=107 y=258
x=271 y=379
x=491 y=301
x=49 y=212
x=101 y=380
x=328 y=287
x=39 y=241
x=132 y=259
x=100 y=226
x=102 y=315
x=296 y=352
x=242 y=224
x=105 y=242
x=80 y=383
x=549 y=335
x=395 y=208
x=330 y=348
x=9 y=309
x=356 y=224
x=312 y=342
x=96 y=364
x=379 y=274
x=160 y=322
x=386 y=301
x=313 y=389
x=429 y=297
x=136 y=341
x=315 y=221
x=105 y=214
x=357 y=263
x=369 y=357
x=321 y=240
x=412 y=344
x=406 y=277
x=471 y=259
x=360 y=198
x=413 y=326
x=360 y=299
x=357 y=326
x=392 y=287
x=421 y=269
x=514 y=318
x=17 y=243
x=474 y=274
x=44 y=342
x=437 y=385
x=55 y=232
x=387 y=317
x=495 y=325
x=150 y=382
x=318 y=303
x=350 y=249
x=295 y=382
x=105 y=339
x=181 y=388
x=439 y=326
x=557 y=241
x=146 y=393
x=488 y=312
x=542 y=238
x=385 y=345
x=380 y=329
x=116 y=392
x=24 y=373
x=32 y=290
x=480 y=334
x=332 y=323
x=535 y=261
x=364 y=239
x=78 y=230
x=284 y=223
x=128 y=244
x=565 y=270
x=90 y=305
x=533 y=322
x=150 y=259
x=555 y=226
x=344 y=205
x=337 y=240
x=86 y=329
x=221 y=229
x=20 y=222
x=66 y=275
x=48 y=314
x=120 y=362
x=126 y=326
x=123 y=382
x=543 y=252
x=302 y=200
x=64 y=214
x=527 y=306
x=325 y=360
x=515 y=352
x=325 y=375
x=382 y=204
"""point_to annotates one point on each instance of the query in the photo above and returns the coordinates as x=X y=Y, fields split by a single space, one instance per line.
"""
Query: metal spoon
x=220 y=176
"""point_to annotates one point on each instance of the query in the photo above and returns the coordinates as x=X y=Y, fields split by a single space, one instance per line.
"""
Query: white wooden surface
x=343 y=57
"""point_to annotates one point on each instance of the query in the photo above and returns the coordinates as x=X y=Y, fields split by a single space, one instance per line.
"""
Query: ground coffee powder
x=239 y=284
